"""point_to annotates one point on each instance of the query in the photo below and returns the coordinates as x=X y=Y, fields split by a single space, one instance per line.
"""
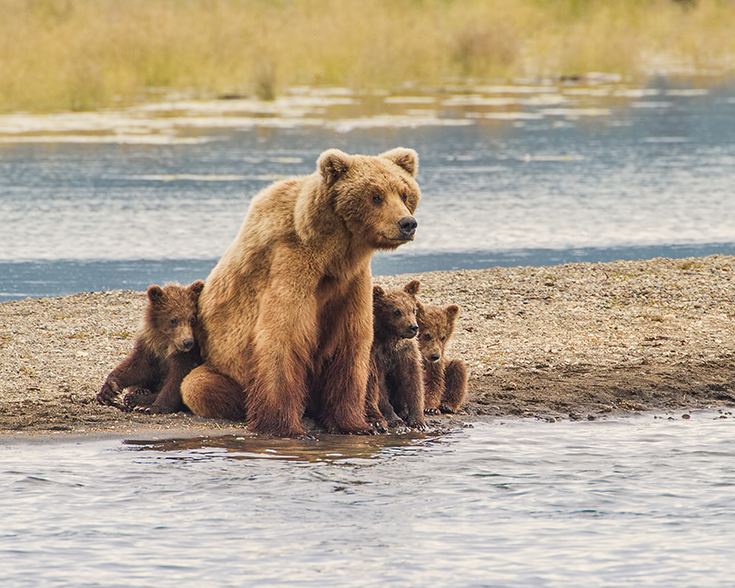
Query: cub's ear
x=451 y=311
x=412 y=287
x=404 y=158
x=155 y=293
x=333 y=164
x=378 y=292
x=420 y=311
x=196 y=288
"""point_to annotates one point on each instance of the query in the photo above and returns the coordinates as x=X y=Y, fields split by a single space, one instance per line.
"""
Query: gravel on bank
x=574 y=341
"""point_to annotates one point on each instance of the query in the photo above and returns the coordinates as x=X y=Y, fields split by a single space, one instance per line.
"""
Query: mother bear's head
x=374 y=198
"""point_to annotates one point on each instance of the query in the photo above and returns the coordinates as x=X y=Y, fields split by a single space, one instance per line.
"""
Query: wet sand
x=576 y=341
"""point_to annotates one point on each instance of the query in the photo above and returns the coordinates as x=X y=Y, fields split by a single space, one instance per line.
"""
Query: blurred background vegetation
x=90 y=54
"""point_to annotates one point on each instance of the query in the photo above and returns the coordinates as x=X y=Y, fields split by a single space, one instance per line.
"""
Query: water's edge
x=54 y=278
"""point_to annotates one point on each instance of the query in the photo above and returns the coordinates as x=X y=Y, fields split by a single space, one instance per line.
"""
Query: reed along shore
x=85 y=55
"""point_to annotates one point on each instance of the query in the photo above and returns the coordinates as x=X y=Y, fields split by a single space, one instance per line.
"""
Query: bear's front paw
x=109 y=393
x=350 y=430
x=396 y=422
x=416 y=422
x=445 y=409
x=379 y=427
x=432 y=411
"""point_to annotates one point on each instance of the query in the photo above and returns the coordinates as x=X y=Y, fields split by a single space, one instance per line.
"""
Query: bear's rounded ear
x=406 y=159
x=333 y=164
x=451 y=311
x=155 y=293
x=196 y=288
x=378 y=292
x=412 y=287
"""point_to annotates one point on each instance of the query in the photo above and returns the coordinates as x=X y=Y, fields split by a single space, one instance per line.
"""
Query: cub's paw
x=432 y=411
x=109 y=393
x=151 y=410
x=446 y=410
x=139 y=398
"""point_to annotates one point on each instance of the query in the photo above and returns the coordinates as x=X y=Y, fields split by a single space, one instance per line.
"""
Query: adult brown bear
x=287 y=312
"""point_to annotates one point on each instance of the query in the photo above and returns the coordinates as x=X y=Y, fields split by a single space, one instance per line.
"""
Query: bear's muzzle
x=411 y=331
x=407 y=225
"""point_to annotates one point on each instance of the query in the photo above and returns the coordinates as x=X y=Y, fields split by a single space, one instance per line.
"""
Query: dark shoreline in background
x=46 y=279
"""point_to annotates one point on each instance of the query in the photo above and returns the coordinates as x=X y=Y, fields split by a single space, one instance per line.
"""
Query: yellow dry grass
x=89 y=54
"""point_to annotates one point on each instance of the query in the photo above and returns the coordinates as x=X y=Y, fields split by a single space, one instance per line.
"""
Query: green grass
x=90 y=54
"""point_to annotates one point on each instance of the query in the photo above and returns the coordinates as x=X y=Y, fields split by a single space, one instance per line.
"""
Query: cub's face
x=172 y=314
x=394 y=312
x=436 y=326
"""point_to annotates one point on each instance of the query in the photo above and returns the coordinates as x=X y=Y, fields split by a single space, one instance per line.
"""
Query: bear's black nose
x=434 y=357
x=414 y=329
x=188 y=344
x=407 y=225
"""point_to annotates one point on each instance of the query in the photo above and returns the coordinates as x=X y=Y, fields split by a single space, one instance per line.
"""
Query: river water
x=645 y=501
x=521 y=175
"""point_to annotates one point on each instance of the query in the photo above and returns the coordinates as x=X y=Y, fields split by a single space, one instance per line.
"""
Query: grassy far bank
x=90 y=54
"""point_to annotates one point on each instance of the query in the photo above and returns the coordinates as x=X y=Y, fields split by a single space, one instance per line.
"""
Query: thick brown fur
x=165 y=351
x=445 y=381
x=287 y=311
x=396 y=385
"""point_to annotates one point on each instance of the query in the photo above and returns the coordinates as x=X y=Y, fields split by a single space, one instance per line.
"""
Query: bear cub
x=164 y=352
x=445 y=382
x=395 y=385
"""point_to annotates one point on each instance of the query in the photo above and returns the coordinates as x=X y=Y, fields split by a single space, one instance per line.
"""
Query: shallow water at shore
x=644 y=501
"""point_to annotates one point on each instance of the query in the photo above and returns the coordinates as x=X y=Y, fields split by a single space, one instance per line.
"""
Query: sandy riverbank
x=579 y=341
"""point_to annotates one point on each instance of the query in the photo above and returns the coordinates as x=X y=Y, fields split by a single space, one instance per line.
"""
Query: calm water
x=530 y=175
x=635 y=502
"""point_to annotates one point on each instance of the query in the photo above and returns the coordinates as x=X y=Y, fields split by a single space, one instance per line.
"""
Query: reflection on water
x=325 y=448
x=636 y=502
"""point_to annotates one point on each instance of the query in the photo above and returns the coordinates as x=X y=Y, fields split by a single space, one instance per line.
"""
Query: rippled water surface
x=636 y=502
x=530 y=175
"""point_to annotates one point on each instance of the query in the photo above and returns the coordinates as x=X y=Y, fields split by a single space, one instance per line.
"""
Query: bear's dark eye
x=427 y=336
x=174 y=321
x=397 y=313
x=404 y=197
x=443 y=338
x=192 y=320
x=377 y=199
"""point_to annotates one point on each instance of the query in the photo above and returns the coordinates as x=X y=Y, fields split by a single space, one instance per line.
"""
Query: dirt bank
x=578 y=341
